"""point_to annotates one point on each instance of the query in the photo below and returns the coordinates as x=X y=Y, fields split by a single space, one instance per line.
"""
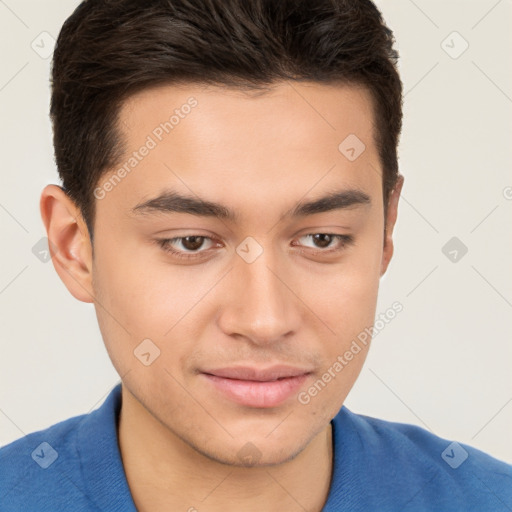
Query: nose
x=261 y=305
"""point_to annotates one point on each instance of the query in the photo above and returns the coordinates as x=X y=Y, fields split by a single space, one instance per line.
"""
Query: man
x=230 y=189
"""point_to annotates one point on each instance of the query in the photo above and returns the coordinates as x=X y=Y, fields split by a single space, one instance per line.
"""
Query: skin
x=258 y=155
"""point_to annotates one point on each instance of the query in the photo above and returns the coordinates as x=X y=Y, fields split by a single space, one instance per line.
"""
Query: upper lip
x=258 y=374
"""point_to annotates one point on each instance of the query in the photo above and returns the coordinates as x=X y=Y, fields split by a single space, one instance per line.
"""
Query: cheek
x=142 y=297
x=146 y=295
x=348 y=307
x=346 y=293
x=349 y=311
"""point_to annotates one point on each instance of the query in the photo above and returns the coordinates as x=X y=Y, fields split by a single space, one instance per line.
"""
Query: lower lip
x=257 y=394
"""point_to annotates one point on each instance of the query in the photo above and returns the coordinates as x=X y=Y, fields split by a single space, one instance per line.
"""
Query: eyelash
x=164 y=243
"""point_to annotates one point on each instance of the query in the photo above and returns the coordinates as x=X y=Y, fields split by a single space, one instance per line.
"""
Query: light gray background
x=443 y=363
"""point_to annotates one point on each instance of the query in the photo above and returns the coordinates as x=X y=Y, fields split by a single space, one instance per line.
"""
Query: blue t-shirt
x=379 y=465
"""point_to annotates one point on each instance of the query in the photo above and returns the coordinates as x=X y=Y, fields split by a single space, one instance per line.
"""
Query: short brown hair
x=110 y=49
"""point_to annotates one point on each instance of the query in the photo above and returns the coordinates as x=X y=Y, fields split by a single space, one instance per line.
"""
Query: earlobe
x=70 y=246
x=391 y=216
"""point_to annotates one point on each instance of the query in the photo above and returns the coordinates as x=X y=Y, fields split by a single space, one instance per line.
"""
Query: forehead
x=245 y=148
x=305 y=111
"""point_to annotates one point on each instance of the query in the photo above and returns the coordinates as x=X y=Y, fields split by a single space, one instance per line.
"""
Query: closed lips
x=258 y=375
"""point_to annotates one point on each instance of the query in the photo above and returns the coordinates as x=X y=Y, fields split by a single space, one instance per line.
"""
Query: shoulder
x=72 y=465
x=42 y=468
x=390 y=437
x=425 y=470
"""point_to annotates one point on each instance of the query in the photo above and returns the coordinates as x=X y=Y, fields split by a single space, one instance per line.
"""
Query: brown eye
x=192 y=243
x=324 y=242
x=190 y=246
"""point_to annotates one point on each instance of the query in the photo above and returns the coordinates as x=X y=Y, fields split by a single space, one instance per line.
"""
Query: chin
x=253 y=455
x=251 y=451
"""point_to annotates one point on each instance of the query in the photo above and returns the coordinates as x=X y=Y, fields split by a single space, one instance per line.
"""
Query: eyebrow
x=173 y=202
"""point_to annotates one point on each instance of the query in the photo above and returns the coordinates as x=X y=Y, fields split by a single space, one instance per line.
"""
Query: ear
x=69 y=241
x=392 y=212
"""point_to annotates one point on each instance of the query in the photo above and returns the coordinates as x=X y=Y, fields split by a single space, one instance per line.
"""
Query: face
x=226 y=320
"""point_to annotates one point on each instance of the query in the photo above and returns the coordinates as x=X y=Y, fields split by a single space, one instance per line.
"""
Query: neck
x=165 y=473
